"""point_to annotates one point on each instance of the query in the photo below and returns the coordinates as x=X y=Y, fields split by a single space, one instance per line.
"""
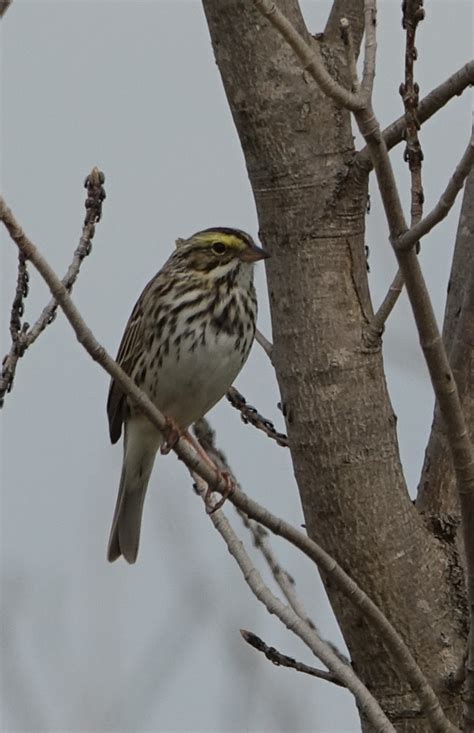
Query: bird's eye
x=218 y=248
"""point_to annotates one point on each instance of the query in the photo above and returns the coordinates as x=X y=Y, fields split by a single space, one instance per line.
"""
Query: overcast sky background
x=86 y=646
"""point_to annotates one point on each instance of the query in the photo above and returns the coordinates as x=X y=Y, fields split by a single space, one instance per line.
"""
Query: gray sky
x=88 y=646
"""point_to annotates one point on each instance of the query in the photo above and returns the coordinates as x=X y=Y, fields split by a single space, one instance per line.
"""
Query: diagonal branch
x=369 y=706
x=325 y=562
x=282 y=660
x=4 y=5
x=445 y=203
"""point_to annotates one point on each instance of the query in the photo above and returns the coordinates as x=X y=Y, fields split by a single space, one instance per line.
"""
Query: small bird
x=186 y=341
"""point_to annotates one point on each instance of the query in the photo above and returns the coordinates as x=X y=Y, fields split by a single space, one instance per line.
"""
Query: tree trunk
x=298 y=147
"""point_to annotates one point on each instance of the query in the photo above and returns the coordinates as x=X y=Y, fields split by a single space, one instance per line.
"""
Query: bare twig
x=282 y=660
x=17 y=329
x=369 y=706
x=428 y=106
x=324 y=561
x=26 y=336
x=206 y=436
x=95 y=197
x=346 y=35
x=370 y=51
x=266 y=345
x=4 y=5
x=376 y=326
x=413 y=13
x=445 y=203
x=250 y=415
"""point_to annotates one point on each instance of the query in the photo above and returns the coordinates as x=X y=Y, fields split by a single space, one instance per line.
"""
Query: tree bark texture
x=298 y=147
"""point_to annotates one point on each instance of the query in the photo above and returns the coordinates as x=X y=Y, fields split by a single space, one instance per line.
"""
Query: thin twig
x=206 y=436
x=4 y=5
x=393 y=134
x=444 y=205
x=266 y=345
x=250 y=415
x=282 y=660
x=95 y=197
x=369 y=706
x=413 y=13
x=26 y=336
x=370 y=49
x=376 y=326
x=17 y=329
x=346 y=35
x=195 y=464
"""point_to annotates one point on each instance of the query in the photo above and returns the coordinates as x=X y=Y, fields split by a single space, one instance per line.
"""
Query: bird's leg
x=224 y=475
x=172 y=434
x=229 y=488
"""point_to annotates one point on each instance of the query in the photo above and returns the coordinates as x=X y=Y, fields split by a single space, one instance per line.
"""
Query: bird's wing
x=130 y=350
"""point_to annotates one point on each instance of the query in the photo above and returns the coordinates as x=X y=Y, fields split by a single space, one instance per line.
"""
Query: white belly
x=188 y=386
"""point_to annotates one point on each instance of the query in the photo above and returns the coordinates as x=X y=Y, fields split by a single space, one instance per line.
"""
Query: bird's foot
x=172 y=434
x=212 y=507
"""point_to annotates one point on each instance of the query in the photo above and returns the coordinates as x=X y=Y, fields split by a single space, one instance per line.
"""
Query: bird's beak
x=253 y=254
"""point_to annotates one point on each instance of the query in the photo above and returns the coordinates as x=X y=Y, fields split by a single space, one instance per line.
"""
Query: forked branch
x=433 y=348
x=322 y=650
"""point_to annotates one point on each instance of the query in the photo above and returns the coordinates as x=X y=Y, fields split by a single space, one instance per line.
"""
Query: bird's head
x=218 y=250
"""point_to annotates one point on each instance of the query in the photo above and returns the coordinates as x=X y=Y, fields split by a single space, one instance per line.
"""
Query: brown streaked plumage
x=185 y=342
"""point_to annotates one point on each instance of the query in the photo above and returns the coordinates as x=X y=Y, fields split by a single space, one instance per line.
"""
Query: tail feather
x=140 y=446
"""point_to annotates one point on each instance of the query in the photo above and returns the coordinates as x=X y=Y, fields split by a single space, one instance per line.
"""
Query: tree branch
x=368 y=704
x=413 y=13
x=26 y=336
x=429 y=105
x=206 y=436
x=282 y=660
x=370 y=52
x=266 y=345
x=250 y=415
x=184 y=451
x=4 y=5
x=444 y=205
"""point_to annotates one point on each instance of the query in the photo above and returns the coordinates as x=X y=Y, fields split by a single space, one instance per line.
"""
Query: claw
x=229 y=488
x=172 y=434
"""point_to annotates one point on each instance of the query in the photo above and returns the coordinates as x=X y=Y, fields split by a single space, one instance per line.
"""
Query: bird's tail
x=141 y=443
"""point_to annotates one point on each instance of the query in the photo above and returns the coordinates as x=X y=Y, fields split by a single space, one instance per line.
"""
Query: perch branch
x=368 y=704
x=206 y=436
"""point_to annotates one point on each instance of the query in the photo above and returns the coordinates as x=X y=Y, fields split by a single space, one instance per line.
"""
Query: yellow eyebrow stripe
x=230 y=240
